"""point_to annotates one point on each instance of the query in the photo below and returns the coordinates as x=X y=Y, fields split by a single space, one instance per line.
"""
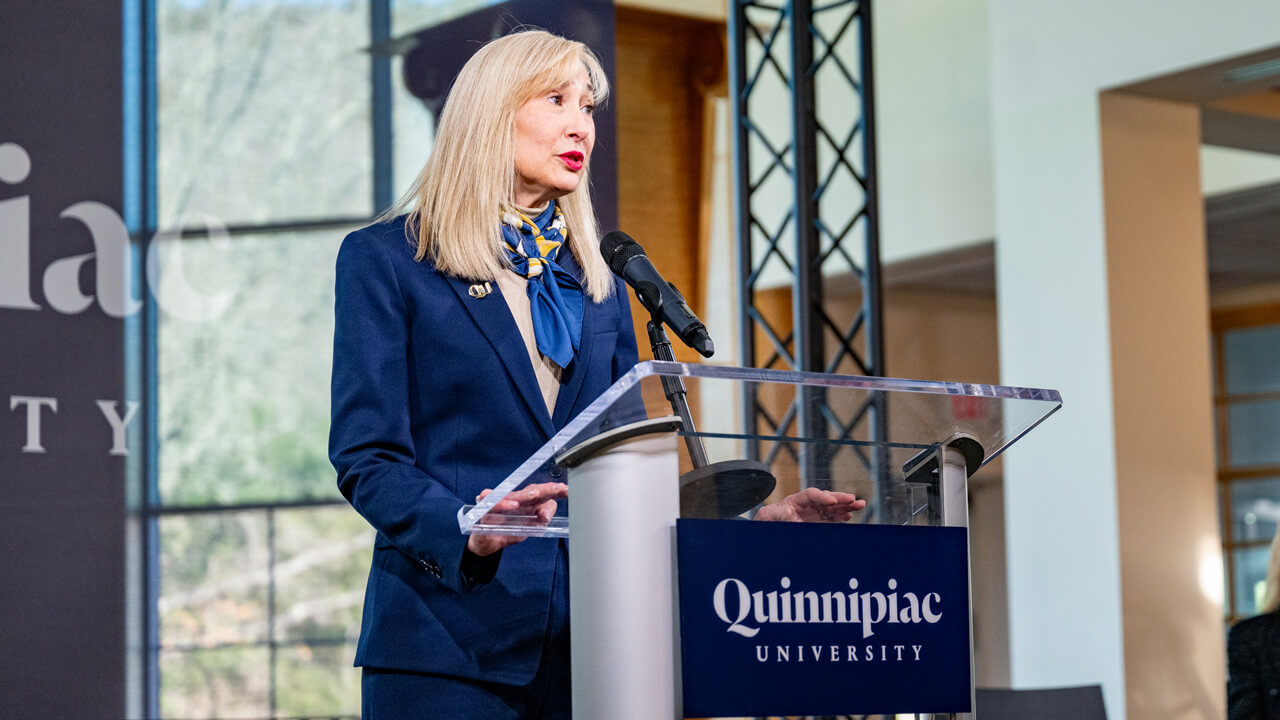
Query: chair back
x=1068 y=703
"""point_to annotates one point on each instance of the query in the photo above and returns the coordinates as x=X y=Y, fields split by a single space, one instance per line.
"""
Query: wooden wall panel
x=665 y=65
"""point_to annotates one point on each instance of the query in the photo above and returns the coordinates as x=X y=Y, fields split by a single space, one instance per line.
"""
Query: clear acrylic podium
x=634 y=466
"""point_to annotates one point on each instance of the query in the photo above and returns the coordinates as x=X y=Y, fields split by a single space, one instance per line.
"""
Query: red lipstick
x=573 y=159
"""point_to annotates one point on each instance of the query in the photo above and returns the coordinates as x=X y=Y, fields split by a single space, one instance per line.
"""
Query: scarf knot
x=555 y=295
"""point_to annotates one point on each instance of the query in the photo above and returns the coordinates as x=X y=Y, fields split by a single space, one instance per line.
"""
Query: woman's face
x=554 y=136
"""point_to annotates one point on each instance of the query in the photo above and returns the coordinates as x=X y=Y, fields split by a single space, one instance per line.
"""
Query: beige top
x=515 y=289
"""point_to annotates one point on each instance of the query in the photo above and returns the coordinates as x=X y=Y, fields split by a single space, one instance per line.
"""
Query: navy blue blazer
x=434 y=399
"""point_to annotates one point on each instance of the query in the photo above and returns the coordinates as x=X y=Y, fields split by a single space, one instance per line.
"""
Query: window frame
x=1222 y=322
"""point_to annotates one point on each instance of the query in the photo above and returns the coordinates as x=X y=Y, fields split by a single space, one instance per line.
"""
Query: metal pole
x=807 y=294
x=871 y=290
x=953 y=477
x=742 y=204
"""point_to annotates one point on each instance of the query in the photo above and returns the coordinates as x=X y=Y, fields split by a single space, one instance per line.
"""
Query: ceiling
x=1240 y=99
x=1243 y=233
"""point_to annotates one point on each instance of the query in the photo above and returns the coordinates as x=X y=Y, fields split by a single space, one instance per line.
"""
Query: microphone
x=627 y=260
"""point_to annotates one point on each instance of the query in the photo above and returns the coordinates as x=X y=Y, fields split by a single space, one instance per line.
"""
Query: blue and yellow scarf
x=555 y=295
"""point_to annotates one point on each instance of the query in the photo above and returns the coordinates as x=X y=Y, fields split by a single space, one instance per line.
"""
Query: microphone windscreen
x=617 y=248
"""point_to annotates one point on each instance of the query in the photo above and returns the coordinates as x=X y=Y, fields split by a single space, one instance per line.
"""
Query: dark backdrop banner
x=62 y=309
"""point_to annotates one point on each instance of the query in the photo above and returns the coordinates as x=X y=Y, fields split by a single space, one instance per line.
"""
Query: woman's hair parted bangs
x=469 y=181
x=562 y=59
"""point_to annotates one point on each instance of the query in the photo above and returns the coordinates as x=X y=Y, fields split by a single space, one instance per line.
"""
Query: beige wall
x=1162 y=403
x=941 y=336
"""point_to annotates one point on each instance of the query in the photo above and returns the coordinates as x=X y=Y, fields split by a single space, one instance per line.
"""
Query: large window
x=270 y=129
x=259 y=573
x=1247 y=345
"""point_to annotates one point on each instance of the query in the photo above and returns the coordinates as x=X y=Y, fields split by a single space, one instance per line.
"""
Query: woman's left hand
x=812 y=505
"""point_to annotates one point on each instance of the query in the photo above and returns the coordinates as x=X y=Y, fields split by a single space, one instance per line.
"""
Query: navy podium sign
x=823 y=619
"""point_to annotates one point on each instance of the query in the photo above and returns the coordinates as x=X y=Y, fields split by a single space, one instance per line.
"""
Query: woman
x=1253 y=655
x=467 y=333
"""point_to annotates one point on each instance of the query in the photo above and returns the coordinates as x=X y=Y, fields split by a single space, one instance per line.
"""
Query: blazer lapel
x=492 y=315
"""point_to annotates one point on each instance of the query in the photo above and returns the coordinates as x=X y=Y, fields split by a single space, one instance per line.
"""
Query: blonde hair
x=468 y=183
x=1271 y=601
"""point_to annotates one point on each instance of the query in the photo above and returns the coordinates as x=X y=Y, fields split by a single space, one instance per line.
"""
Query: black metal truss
x=824 y=157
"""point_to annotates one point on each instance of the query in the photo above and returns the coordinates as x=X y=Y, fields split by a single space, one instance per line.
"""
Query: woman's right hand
x=535 y=501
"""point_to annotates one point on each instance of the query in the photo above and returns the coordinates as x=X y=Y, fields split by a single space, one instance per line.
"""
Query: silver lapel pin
x=479 y=290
